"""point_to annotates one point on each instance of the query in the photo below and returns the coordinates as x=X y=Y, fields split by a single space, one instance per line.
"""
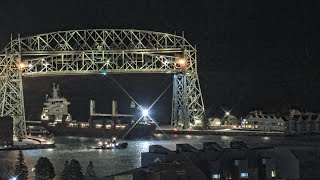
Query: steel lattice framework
x=95 y=51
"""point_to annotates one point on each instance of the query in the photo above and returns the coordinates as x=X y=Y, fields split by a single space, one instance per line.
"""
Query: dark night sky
x=251 y=54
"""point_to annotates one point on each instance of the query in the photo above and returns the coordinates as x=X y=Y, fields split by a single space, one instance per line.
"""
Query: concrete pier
x=30 y=143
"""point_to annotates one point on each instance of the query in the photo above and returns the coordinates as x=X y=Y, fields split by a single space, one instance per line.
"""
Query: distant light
x=227 y=113
x=175 y=129
x=103 y=73
x=166 y=62
x=145 y=112
x=13 y=178
x=266 y=138
x=46 y=64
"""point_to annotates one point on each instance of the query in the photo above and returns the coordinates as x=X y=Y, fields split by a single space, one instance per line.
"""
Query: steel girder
x=95 y=51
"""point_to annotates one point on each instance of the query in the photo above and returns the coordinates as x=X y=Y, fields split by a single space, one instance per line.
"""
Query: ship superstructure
x=56 y=108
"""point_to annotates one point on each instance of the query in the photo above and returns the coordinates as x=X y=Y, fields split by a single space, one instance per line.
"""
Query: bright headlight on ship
x=145 y=112
x=13 y=178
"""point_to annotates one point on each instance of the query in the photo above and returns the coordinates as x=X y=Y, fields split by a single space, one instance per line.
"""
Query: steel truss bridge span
x=101 y=51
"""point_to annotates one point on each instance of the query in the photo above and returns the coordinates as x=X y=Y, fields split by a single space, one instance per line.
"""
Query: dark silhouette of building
x=6 y=131
x=236 y=162
x=162 y=171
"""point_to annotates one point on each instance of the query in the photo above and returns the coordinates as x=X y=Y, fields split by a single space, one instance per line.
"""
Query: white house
x=303 y=122
x=263 y=123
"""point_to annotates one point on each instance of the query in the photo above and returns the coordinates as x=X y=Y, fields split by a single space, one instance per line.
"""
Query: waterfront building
x=236 y=162
x=230 y=120
x=6 y=131
x=162 y=171
x=263 y=123
x=307 y=122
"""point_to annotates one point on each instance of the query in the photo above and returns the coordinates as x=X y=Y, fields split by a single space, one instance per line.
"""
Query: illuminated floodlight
x=145 y=112
x=181 y=61
x=22 y=65
x=227 y=113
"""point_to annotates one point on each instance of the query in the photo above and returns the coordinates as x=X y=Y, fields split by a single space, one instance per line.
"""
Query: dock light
x=13 y=178
x=145 y=112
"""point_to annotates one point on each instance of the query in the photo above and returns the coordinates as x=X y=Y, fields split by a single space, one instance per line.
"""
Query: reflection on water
x=114 y=161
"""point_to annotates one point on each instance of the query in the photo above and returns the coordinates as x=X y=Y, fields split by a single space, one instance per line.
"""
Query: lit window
x=244 y=175
x=236 y=162
x=216 y=176
x=273 y=174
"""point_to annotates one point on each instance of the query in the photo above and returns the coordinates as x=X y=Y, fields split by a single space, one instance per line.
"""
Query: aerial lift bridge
x=84 y=52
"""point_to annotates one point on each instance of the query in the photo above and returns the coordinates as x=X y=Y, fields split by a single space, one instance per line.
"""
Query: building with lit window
x=236 y=162
x=303 y=122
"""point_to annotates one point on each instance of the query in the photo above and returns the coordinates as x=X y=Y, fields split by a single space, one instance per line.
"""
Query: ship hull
x=138 y=131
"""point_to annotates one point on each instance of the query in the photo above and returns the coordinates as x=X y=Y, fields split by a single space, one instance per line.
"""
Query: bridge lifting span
x=81 y=52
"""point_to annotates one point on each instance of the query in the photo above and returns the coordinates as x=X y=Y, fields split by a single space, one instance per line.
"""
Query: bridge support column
x=11 y=91
x=179 y=102
x=187 y=102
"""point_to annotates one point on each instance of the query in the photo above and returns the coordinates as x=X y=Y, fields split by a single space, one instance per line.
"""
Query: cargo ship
x=58 y=121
